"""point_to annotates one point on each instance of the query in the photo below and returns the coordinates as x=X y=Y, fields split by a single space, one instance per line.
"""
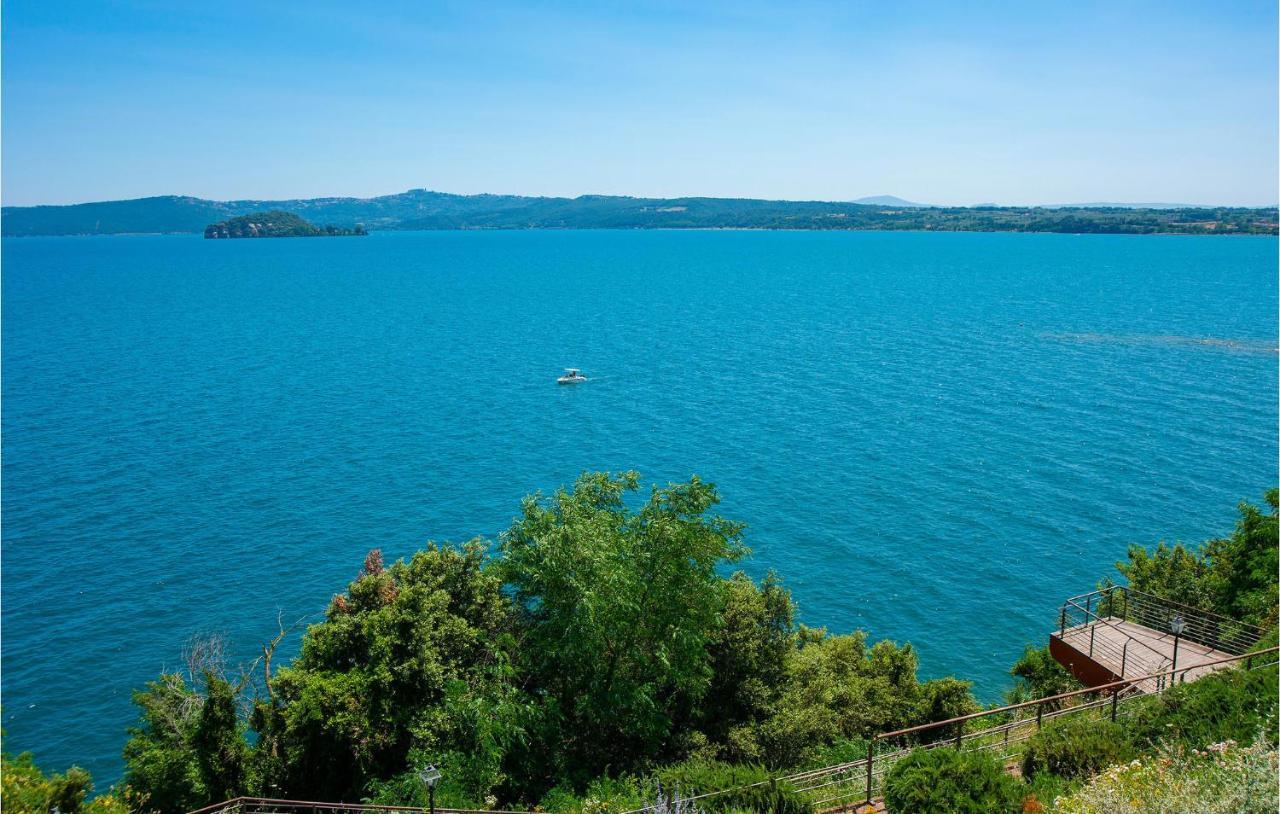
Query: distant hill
x=275 y=224
x=888 y=200
x=1123 y=206
x=424 y=209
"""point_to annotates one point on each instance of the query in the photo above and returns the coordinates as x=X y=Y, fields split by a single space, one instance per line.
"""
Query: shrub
x=24 y=789
x=771 y=798
x=1039 y=675
x=1229 y=705
x=951 y=781
x=1079 y=746
x=751 y=788
x=1225 y=779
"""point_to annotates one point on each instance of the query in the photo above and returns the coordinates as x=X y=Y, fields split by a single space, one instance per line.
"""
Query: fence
x=266 y=805
x=1124 y=654
x=862 y=780
x=1124 y=604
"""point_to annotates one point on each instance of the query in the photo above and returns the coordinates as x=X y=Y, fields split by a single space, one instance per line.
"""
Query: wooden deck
x=1113 y=649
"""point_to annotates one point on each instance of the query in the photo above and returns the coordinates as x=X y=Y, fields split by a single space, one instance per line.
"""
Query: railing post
x=1092 y=630
x=871 y=753
x=1039 y=716
x=1062 y=622
x=1248 y=662
x=959 y=733
x=1124 y=657
x=1115 y=700
x=1088 y=608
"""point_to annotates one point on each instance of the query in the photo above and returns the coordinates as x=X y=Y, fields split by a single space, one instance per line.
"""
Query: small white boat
x=571 y=376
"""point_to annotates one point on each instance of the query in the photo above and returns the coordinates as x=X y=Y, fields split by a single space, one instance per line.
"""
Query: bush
x=1228 y=705
x=752 y=788
x=771 y=798
x=24 y=789
x=951 y=781
x=1078 y=746
x=1039 y=675
x=1225 y=779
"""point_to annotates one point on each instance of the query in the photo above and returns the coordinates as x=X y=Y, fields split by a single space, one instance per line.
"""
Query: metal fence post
x=1062 y=622
x=1039 y=716
x=959 y=733
x=871 y=753
x=1092 y=630
x=1115 y=699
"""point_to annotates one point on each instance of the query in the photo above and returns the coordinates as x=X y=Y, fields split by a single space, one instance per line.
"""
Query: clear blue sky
x=946 y=102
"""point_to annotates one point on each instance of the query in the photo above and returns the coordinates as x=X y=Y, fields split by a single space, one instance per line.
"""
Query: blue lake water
x=935 y=437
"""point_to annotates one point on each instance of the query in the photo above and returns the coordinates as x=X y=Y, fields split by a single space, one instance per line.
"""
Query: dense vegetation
x=1233 y=576
x=1209 y=716
x=275 y=224
x=25 y=789
x=597 y=658
x=599 y=639
x=1226 y=779
x=423 y=209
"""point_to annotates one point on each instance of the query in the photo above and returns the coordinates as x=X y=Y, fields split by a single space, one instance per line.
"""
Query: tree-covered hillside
x=423 y=209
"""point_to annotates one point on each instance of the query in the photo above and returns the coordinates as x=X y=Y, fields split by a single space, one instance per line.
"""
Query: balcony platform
x=1113 y=649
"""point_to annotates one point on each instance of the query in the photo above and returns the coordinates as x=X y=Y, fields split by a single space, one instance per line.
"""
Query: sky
x=940 y=102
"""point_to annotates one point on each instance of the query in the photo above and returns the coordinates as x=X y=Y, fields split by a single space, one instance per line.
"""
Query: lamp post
x=1176 y=625
x=429 y=775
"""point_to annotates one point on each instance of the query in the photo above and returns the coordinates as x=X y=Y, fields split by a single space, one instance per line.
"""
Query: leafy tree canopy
x=1235 y=576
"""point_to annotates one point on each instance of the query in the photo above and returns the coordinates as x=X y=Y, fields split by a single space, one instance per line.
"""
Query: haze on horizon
x=936 y=102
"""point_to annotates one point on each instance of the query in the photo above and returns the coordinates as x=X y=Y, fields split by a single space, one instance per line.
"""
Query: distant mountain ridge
x=424 y=209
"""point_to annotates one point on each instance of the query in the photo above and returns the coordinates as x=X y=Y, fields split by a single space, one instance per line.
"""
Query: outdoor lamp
x=1176 y=625
x=429 y=775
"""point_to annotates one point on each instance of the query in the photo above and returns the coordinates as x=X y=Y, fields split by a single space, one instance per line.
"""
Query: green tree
x=24 y=789
x=411 y=656
x=218 y=741
x=1243 y=577
x=837 y=689
x=1039 y=675
x=1235 y=576
x=616 y=610
x=749 y=649
x=161 y=763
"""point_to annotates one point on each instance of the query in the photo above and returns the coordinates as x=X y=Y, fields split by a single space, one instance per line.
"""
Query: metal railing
x=267 y=805
x=1134 y=657
x=1212 y=630
x=861 y=781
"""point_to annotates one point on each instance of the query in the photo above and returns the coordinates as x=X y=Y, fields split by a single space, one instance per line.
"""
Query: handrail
x=836 y=774
x=1072 y=694
x=1100 y=621
x=330 y=806
x=1200 y=611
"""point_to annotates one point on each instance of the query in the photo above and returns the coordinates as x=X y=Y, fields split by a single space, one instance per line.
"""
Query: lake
x=934 y=437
